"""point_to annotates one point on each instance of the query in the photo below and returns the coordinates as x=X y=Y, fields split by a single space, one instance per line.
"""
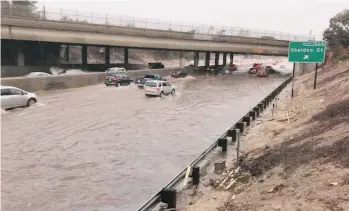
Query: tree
x=337 y=34
x=26 y=8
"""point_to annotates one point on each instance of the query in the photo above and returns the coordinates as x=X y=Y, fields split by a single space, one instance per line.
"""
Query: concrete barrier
x=34 y=84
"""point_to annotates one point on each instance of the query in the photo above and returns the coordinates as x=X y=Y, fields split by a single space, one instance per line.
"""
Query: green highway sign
x=307 y=52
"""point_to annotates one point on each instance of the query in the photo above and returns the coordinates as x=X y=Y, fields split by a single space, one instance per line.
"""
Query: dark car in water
x=262 y=73
x=232 y=67
x=155 y=65
x=214 y=69
x=115 y=79
x=141 y=81
x=270 y=69
x=178 y=74
x=149 y=76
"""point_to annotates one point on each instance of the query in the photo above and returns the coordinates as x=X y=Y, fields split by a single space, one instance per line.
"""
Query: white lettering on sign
x=306 y=50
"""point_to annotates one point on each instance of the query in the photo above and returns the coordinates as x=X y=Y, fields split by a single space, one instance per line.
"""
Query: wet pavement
x=106 y=148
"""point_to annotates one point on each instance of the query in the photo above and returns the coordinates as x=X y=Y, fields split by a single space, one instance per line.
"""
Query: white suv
x=158 y=88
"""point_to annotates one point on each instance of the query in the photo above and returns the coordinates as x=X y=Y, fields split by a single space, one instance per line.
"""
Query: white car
x=13 y=97
x=115 y=69
x=37 y=74
x=158 y=88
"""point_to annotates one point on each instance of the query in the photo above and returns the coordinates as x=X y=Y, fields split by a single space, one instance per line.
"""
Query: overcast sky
x=294 y=16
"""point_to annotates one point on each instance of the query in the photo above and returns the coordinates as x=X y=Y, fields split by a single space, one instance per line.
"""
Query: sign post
x=306 y=52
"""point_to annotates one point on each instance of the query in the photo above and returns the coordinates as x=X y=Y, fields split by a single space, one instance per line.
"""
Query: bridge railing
x=199 y=30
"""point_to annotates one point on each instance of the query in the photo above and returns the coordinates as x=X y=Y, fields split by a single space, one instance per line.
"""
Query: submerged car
x=258 y=66
x=214 y=69
x=115 y=79
x=252 y=70
x=13 y=97
x=141 y=81
x=178 y=74
x=232 y=67
x=149 y=76
x=158 y=88
x=262 y=73
x=269 y=69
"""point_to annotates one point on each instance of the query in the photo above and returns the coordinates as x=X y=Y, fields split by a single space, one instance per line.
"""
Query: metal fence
x=142 y=23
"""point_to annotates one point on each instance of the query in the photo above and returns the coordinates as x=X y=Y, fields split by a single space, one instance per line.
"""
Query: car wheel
x=161 y=94
x=31 y=102
x=173 y=92
x=117 y=85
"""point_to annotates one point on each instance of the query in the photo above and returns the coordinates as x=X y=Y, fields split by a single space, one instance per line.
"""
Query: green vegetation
x=337 y=35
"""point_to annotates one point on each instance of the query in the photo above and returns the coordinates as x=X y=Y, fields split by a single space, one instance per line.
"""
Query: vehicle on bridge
x=117 y=79
x=178 y=74
x=37 y=74
x=115 y=70
x=155 y=65
x=158 y=88
x=13 y=97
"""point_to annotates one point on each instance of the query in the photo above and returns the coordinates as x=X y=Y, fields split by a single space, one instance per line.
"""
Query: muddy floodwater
x=106 y=148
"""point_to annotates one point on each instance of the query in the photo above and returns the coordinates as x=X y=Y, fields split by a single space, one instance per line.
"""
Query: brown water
x=99 y=148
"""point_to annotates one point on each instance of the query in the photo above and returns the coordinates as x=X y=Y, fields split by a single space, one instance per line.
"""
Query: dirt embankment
x=298 y=161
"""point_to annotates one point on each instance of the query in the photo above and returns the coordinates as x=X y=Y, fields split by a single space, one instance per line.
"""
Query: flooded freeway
x=106 y=148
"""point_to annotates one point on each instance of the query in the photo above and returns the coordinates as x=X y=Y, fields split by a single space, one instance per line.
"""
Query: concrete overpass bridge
x=24 y=34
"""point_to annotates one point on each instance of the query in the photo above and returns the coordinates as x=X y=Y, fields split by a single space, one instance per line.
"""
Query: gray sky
x=294 y=16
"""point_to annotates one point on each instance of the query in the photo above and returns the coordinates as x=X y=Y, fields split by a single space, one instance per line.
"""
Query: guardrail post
x=240 y=126
x=261 y=106
x=196 y=175
x=264 y=103
x=253 y=115
x=169 y=196
x=233 y=134
x=223 y=142
x=257 y=110
x=247 y=119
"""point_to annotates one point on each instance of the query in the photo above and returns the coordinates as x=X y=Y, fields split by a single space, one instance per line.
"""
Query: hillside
x=300 y=163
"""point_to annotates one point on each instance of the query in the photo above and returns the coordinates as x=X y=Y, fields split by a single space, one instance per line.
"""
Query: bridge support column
x=20 y=56
x=231 y=58
x=181 y=59
x=207 y=59
x=196 y=59
x=125 y=56
x=224 y=59
x=84 y=55
x=216 y=59
x=67 y=53
x=107 y=54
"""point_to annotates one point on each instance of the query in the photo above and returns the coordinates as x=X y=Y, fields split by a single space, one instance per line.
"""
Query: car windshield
x=151 y=84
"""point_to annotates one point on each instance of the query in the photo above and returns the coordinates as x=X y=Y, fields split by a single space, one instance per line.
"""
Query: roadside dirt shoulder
x=295 y=158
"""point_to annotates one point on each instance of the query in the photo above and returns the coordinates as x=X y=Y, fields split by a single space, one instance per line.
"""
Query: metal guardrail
x=157 y=198
x=69 y=16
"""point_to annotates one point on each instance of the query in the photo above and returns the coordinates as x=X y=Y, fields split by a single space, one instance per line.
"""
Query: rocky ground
x=296 y=159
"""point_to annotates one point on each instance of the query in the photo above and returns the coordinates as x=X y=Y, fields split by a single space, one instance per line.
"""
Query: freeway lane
x=99 y=148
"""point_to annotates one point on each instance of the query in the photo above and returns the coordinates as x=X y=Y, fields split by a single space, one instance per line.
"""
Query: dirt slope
x=298 y=161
